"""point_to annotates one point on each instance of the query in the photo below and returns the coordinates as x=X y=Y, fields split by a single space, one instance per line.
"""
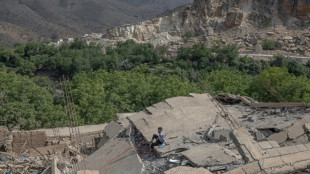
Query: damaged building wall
x=269 y=157
x=28 y=140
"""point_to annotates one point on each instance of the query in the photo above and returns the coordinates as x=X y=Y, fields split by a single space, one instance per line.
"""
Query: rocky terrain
x=246 y=23
x=36 y=20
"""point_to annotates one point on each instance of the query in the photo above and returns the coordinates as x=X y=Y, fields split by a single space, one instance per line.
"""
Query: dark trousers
x=157 y=143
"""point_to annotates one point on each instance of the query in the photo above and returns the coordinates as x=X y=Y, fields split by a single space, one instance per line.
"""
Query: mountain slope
x=71 y=18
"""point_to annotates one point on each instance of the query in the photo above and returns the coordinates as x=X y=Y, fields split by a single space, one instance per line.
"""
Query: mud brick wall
x=34 y=139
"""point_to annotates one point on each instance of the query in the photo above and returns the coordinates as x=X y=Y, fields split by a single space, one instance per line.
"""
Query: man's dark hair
x=160 y=128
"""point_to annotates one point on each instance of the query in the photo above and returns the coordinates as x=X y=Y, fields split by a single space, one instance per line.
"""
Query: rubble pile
x=269 y=138
x=45 y=151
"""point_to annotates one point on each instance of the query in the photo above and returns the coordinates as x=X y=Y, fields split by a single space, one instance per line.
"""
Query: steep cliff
x=220 y=16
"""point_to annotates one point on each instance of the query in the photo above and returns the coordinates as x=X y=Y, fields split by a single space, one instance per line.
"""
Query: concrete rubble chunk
x=295 y=131
x=209 y=155
x=259 y=136
x=116 y=156
x=187 y=170
x=242 y=139
x=280 y=137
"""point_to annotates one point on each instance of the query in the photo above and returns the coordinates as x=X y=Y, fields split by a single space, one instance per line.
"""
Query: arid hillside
x=26 y=20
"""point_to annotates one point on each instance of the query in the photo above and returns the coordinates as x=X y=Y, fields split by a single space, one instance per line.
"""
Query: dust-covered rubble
x=269 y=138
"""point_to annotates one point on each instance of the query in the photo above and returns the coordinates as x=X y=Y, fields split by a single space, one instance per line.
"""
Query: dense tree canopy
x=26 y=104
x=130 y=77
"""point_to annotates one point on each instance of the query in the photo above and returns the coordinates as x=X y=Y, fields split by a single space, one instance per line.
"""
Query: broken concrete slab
x=187 y=170
x=162 y=106
x=209 y=155
x=199 y=110
x=122 y=118
x=111 y=130
x=116 y=156
x=295 y=131
x=280 y=137
x=182 y=102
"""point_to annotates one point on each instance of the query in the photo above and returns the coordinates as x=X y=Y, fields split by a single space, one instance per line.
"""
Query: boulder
x=298 y=8
x=234 y=18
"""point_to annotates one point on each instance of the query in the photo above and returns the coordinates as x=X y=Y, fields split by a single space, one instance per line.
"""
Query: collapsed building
x=223 y=134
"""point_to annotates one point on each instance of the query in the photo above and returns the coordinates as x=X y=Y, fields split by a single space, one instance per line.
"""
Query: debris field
x=202 y=137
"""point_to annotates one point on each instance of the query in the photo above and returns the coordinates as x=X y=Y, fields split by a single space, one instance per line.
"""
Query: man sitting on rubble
x=160 y=138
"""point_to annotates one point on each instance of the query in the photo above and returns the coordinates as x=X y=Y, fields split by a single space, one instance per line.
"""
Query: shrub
x=269 y=45
x=188 y=35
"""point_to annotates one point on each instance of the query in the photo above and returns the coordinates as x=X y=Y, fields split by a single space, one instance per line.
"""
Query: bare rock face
x=303 y=9
x=234 y=18
x=202 y=15
x=298 y=8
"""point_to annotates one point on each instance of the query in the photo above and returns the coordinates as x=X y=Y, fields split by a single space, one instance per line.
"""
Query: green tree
x=26 y=104
x=292 y=88
x=225 y=81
